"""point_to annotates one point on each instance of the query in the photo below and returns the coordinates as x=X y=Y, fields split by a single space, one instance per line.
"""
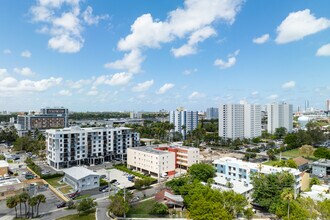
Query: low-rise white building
x=152 y=161
x=76 y=146
x=318 y=193
x=232 y=169
x=81 y=178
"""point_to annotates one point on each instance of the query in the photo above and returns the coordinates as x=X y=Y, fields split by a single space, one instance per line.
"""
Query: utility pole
x=124 y=202
x=109 y=185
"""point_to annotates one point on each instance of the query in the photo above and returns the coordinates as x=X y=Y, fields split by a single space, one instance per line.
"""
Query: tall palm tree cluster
x=157 y=130
x=30 y=204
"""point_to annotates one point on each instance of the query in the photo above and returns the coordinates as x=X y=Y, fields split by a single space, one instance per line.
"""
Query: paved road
x=55 y=214
x=102 y=208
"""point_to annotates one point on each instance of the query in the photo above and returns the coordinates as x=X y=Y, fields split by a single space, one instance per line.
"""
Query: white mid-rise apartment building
x=77 y=146
x=152 y=161
x=184 y=120
x=279 y=115
x=234 y=170
x=239 y=121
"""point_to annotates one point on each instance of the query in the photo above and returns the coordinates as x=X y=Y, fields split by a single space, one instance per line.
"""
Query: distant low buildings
x=321 y=168
x=81 y=178
x=135 y=115
x=318 y=193
x=77 y=146
x=47 y=118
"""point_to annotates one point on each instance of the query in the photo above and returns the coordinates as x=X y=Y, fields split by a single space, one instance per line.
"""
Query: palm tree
x=41 y=198
x=33 y=201
x=12 y=203
x=287 y=195
x=23 y=198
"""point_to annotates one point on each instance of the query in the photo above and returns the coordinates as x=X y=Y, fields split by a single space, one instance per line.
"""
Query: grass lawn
x=82 y=197
x=65 y=189
x=295 y=153
x=125 y=169
x=270 y=163
x=55 y=182
x=141 y=209
x=90 y=216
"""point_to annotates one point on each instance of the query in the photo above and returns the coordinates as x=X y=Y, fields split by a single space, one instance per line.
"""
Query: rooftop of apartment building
x=263 y=168
x=322 y=162
x=150 y=149
x=238 y=186
x=77 y=128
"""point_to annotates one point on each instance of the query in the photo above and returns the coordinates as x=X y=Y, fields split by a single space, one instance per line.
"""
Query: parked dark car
x=113 y=181
x=103 y=188
x=61 y=205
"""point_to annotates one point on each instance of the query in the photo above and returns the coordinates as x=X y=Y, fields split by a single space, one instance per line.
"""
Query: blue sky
x=151 y=55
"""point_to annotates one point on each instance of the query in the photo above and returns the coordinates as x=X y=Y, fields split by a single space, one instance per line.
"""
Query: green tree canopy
x=202 y=172
x=322 y=152
x=268 y=188
x=159 y=209
x=86 y=205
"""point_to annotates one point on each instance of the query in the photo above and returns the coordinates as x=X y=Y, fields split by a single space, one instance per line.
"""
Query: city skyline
x=139 y=55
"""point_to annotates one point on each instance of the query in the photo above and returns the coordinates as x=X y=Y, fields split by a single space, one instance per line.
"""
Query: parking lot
x=118 y=175
x=51 y=202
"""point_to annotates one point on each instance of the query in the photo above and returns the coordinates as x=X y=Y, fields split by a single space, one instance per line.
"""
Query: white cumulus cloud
x=324 y=50
x=140 y=87
x=298 y=25
x=65 y=28
x=3 y=72
x=26 y=54
x=255 y=93
x=196 y=95
x=194 y=39
x=231 y=61
x=194 y=21
x=189 y=72
x=25 y=71
x=6 y=51
x=131 y=62
x=165 y=88
x=92 y=93
x=65 y=92
x=12 y=85
x=90 y=19
x=289 y=85
x=272 y=97
x=117 y=79
x=262 y=39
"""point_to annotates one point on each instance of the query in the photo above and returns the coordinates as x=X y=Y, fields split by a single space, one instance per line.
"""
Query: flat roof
x=150 y=150
x=237 y=186
x=8 y=182
x=322 y=162
x=4 y=163
x=79 y=172
x=256 y=166
x=77 y=128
